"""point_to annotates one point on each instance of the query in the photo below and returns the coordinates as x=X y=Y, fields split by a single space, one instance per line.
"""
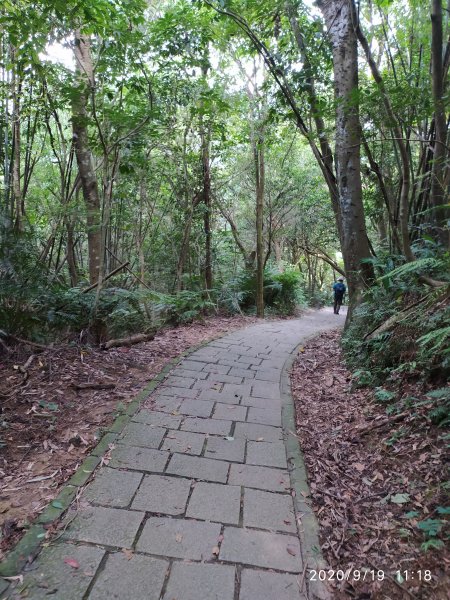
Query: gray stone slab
x=198 y=468
x=181 y=382
x=215 y=502
x=112 y=487
x=261 y=549
x=184 y=442
x=190 y=581
x=192 y=365
x=211 y=426
x=264 y=585
x=266 y=510
x=266 y=389
x=139 y=434
x=157 y=419
x=230 y=412
x=139 y=459
x=178 y=392
x=51 y=577
x=179 y=538
x=222 y=449
x=263 y=478
x=162 y=494
x=271 y=362
x=242 y=372
x=106 y=526
x=230 y=379
x=233 y=363
x=216 y=369
x=189 y=373
x=196 y=408
x=264 y=416
x=167 y=404
x=272 y=375
x=266 y=403
x=250 y=360
x=268 y=454
x=139 y=577
x=260 y=433
x=218 y=396
x=232 y=389
x=202 y=385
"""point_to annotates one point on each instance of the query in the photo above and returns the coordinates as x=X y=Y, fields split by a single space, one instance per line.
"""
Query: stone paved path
x=198 y=488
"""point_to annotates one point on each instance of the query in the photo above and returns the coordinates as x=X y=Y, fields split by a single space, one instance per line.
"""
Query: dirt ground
x=374 y=478
x=47 y=426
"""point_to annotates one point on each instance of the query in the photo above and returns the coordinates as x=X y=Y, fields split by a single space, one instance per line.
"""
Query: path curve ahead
x=199 y=489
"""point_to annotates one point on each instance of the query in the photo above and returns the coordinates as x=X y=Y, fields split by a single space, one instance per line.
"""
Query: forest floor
x=48 y=426
x=375 y=480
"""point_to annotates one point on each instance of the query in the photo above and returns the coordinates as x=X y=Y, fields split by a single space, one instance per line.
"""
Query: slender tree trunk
x=206 y=173
x=438 y=173
x=16 y=183
x=355 y=246
x=260 y=181
x=89 y=184
x=71 y=258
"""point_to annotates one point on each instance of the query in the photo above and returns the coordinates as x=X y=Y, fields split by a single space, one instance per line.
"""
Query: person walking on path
x=339 y=293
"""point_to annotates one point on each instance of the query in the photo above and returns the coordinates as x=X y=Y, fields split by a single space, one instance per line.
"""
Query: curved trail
x=198 y=486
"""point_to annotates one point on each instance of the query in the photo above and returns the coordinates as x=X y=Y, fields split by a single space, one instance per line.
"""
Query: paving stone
x=263 y=478
x=212 y=426
x=262 y=433
x=139 y=434
x=208 y=384
x=218 y=396
x=53 y=578
x=196 y=408
x=267 y=403
x=189 y=373
x=233 y=363
x=265 y=389
x=161 y=494
x=273 y=375
x=268 y=454
x=181 y=382
x=264 y=416
x=232 y=389
x=112 y=487
x=221 y=449
x=139 y=459
x=215 y=502
x=240 y=372
x=166 y=404
x=107 y=526
x=216 y=369
x=264 y=585
x=216 y=582
x=250 y=360
x=218 y=378
x=192 y=365
x=269 y=511
x=158 y=419
x=177 y=392
x=270 y=363
x=184 y=442
x=261 y=549
x=198 y=468
x=232 y=412
x=179 y=538
x=139 y=577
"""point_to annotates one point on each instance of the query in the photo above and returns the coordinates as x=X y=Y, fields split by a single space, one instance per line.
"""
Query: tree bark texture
x=438 y=191
x=260 y=182
x=354 y=243
x=88 y=178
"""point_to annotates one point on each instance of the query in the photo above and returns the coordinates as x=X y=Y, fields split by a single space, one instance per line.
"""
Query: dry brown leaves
x=360 y=464
x=49 y=426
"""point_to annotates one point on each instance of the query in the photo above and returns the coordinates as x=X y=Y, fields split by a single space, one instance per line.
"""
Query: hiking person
x=339 y=293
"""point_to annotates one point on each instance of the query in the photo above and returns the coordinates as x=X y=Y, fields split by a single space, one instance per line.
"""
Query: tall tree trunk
x=260 y=181
x=438 y=173
x=355 y=246
x=71 y=258
x=206 y=173
x=16 y=183
x=89 y=184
